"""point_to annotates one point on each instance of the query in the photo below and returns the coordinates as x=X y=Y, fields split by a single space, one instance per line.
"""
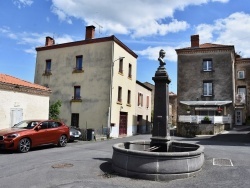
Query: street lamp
x=110 y=92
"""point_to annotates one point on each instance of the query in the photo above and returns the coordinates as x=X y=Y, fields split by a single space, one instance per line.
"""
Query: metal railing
x=197 y=119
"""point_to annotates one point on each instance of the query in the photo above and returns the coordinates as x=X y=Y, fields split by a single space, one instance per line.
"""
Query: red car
x=31 y=133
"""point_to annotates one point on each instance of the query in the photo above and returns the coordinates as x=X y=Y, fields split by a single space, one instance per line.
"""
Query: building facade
x=94 y=78
x=206 y=80
x=20 y=100
x=242 y=97
x=143 y=108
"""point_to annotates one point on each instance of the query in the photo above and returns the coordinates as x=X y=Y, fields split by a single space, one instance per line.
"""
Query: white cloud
x=139 y=18
x=22 y=3
x=32 y=40
x=233 y=30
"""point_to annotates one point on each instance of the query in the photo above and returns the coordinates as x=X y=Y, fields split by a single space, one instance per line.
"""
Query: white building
x=21 y=100
x=143 y=108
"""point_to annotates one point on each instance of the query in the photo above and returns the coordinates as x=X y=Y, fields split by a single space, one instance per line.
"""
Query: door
x=238 y=117
x=16 y=115
x=123 y=123
x=75 y=120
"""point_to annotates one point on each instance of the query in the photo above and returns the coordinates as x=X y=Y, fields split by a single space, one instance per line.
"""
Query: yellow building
x=94 y=78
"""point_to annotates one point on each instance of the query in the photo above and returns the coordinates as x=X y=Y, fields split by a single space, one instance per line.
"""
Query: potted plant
x=188 y=110
x=206 y=120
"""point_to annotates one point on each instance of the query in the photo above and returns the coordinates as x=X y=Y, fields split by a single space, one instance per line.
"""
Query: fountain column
x=161 y=132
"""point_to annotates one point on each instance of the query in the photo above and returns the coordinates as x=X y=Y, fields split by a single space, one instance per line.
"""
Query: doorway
x=123 y=123
x=238 y=117
x=16 y=115
x=75 y=120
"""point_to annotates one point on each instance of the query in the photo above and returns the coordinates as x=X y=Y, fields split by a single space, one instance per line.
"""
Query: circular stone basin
x=137 y=159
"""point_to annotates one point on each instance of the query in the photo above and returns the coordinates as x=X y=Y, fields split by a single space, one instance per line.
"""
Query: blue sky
x=145 y=26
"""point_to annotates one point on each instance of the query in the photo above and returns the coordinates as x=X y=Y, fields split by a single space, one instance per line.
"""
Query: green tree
x=54 y=110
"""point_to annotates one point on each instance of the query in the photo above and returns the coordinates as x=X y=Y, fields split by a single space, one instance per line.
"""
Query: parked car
x=75 y=134
x=31 y=133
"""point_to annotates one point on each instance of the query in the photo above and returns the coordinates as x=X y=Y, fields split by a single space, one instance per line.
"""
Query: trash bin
x=90 y=134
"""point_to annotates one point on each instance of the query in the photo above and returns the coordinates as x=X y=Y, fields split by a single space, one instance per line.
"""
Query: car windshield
x=26 y=124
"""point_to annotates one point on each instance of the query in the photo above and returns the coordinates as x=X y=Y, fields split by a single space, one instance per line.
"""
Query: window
x=121 y=66
x=241 y=95
x=75 y=119
x=77 y=92
x=241 y=74
x=207 y=88
x=140 y=99
x=48 y=66
x=44 y=125
x=119 y=94
x=78 y=62
x=207 y=65
x=147 y=101
x=130 y=70
x=129 y=97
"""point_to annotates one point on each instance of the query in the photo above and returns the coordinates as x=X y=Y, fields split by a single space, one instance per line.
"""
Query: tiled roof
x=207 y=45
x=210 y=45
x=15 y=81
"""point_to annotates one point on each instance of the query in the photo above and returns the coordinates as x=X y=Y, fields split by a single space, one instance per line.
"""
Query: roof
x=89 y=41
x=16 y=82
x=143 y=85
x=205 y=103
x=207 y=46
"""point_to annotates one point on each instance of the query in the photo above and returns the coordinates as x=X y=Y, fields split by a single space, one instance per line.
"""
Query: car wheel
x=24 y=145
x=63 y=141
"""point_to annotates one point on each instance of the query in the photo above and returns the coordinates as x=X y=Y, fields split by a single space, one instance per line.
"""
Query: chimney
x=90 y=32
x=195 y=42
x=49 y=41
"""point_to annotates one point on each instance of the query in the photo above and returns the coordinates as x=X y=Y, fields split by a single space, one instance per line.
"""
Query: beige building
x=20 y=100
x=143 y=108
x=94 y=78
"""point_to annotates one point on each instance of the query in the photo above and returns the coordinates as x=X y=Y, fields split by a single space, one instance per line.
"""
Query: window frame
x=119 y=98
x=79 y=63
x=205 y=65
x=129 y=97
x=207 y=86
x=130 y=70
x=239 y=73
x=76 y=95
x=121 y=66
x=147 y=101
x=48 y=66
x=140 y=99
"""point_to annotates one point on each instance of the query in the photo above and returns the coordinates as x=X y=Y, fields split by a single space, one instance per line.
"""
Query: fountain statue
x=160 y=159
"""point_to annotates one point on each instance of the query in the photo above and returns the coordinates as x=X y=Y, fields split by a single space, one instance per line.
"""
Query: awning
x=205 y=103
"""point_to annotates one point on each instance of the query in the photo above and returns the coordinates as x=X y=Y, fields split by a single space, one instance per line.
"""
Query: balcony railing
x=197 y=119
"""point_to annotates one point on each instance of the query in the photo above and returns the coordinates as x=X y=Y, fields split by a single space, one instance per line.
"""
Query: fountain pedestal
x=161 y=132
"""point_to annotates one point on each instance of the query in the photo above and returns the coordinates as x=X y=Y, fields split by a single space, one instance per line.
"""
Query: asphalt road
x=89 y=165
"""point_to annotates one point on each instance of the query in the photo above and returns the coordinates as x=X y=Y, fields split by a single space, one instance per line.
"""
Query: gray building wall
x=191 y=77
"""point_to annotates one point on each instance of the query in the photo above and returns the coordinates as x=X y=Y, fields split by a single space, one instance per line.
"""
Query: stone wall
x=191 y=129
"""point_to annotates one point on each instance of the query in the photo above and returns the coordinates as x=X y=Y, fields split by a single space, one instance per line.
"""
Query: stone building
x=94 y=78
x=242 y=97
x=20 y=100
x=206 y=83
x=212 y=81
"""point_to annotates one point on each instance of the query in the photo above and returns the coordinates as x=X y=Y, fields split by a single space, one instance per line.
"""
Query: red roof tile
x=15 y=81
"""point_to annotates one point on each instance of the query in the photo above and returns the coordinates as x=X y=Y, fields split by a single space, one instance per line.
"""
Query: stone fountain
x=160 y=159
